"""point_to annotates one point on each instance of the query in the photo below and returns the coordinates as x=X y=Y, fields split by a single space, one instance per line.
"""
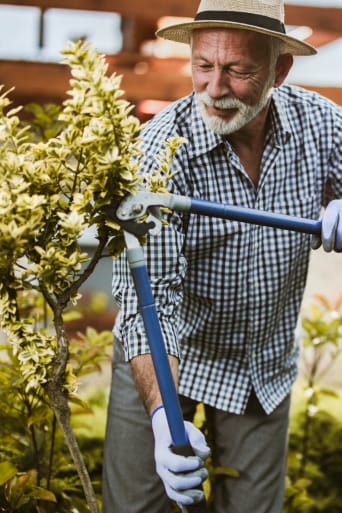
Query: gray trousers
x=255 y=444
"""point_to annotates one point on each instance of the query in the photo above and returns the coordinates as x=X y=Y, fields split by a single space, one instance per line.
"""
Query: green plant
x=315 y=445
x=59 y=174
x=36 y=467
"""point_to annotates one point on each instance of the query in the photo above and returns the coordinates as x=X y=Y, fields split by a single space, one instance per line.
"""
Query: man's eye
x=239 y=74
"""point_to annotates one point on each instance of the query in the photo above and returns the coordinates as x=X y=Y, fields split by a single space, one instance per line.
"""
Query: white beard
x=244 y=115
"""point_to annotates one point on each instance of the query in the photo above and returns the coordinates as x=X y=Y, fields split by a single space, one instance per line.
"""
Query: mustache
x=220 y=103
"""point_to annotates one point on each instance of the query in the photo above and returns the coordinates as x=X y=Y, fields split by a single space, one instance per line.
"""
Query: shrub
x=59 y=175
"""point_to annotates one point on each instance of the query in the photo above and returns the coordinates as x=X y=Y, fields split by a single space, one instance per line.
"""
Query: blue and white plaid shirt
x=228 y=294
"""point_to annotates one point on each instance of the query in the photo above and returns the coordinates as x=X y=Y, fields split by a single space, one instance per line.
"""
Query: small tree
x=50 y=192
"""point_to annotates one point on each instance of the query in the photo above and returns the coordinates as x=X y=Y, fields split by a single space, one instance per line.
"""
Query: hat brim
x=181 y=33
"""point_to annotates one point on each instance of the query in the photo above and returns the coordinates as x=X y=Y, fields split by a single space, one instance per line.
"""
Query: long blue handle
x=181 y=445
x=250 y=215
x=158 y=352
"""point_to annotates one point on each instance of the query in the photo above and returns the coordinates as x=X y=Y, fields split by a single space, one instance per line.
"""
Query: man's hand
x=180 y=475
x=331 y=236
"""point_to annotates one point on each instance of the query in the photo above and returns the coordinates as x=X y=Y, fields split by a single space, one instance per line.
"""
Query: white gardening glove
x=331 y=236
x=180 y=475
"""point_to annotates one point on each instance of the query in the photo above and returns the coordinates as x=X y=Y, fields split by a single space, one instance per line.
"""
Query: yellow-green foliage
x=59 y=174
x=52 y=189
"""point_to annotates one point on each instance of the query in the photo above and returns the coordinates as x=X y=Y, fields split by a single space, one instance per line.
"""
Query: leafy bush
x=36 y=469
x=59 y=175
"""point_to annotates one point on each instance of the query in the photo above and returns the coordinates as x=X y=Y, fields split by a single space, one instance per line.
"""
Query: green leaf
x=42 y=494
x=7 y=471
x=80 y=402
x=72 y=315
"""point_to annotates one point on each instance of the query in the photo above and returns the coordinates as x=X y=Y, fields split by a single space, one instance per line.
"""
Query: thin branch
x=86 y=273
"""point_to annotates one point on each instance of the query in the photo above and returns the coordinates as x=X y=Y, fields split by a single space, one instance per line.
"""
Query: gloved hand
x=180 y=474
x=331 y=236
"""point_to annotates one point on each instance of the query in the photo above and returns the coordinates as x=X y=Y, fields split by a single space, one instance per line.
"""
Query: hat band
x=257 y=20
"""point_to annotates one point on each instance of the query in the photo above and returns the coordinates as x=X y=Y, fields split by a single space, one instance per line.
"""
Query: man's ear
x=283 y=66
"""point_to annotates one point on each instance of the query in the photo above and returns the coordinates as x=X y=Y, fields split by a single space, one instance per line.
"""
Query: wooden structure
x=145 y=77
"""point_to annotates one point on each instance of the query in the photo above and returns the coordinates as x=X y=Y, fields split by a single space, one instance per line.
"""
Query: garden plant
x=314 y=473
x=59 y=175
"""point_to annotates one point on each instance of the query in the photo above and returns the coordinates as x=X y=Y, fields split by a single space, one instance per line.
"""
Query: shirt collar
x=280 y=126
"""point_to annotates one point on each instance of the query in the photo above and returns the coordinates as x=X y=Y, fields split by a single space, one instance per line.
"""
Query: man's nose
x=218 y=84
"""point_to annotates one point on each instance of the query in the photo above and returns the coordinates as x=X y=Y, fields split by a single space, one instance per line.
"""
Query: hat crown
x=271 y=8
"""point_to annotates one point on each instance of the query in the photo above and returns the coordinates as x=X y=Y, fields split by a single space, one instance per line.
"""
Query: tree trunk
x=59 y=403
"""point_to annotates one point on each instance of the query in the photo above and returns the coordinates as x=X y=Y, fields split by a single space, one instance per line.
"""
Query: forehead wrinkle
x=233 y=43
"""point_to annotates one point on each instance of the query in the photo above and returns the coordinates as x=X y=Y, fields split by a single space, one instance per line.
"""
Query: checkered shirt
x=228 y=294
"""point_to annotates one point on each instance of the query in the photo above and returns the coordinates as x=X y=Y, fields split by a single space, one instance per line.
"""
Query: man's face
x=232 y=77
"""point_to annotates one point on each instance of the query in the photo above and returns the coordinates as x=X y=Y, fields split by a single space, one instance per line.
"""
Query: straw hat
x=263 y=16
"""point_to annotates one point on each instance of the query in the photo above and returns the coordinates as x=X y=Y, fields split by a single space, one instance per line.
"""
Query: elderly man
x=228 y=294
